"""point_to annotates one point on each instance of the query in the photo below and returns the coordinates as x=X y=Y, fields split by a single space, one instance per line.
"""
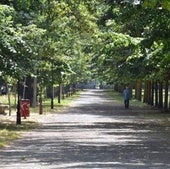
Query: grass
x=57 y=106
x=4 y=99
x=9 y=131
x=115 y=95
x=118 y=97
x=6 y=136
x=146 y=111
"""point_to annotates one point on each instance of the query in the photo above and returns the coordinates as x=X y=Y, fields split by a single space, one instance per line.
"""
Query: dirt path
x=95 y=132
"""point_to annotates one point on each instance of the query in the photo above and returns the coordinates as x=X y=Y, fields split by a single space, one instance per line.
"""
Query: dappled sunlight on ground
x=95 y=132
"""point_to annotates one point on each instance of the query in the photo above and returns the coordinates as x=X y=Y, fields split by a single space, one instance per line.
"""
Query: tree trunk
x=34 y=102
x=40 y=104
x=27 y=89
x=145 y=92
x=148 y=92
x=60 y=93
x=9 y=99
x=52 y=96
x=149 y=100
x=18 y=120
x=156 y=93
x=152 y=94
x=166 y=94
x=63 y=92
x=160 y=95
x=138 y=90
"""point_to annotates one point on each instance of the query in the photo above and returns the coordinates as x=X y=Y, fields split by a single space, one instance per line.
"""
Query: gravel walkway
x=95 y=132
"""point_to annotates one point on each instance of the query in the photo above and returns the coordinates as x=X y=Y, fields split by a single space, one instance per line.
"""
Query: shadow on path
x=95 y=132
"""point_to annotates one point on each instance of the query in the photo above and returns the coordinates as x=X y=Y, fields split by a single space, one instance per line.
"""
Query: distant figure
x=126 y=95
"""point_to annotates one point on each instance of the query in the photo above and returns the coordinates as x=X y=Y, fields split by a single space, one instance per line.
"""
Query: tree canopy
x=120 y=40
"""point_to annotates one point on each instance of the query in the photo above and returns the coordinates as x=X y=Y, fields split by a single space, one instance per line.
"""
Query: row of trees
x=44 y=40
x=134 y=48
x=66 y=42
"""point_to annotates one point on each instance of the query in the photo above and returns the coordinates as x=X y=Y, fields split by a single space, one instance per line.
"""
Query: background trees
x=138 y=54
x=69 y=42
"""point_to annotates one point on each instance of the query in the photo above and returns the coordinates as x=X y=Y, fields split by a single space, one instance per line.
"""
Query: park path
x=95 y=132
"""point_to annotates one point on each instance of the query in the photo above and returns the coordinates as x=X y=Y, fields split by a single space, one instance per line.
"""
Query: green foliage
x=15 y=52
x=72 y=41
x=157 y=4
x=144 y=54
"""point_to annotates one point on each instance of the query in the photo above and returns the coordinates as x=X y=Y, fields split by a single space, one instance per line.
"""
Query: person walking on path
x=93 y=132
x=126 y=95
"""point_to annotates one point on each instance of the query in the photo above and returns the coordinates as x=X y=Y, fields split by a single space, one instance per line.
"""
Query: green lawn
x=146 y=111
x=118 y=97
x=10 y=131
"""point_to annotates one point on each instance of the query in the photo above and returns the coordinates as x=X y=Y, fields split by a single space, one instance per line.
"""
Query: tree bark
x=152 y=94
x=160 y=95
x=149 y=99
x=156 y=93
x=34 y=102
x=52 y=97
x=9 y=99
x=18 y=120
x=60 y=93
x=166 y=94
x=138 y=90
